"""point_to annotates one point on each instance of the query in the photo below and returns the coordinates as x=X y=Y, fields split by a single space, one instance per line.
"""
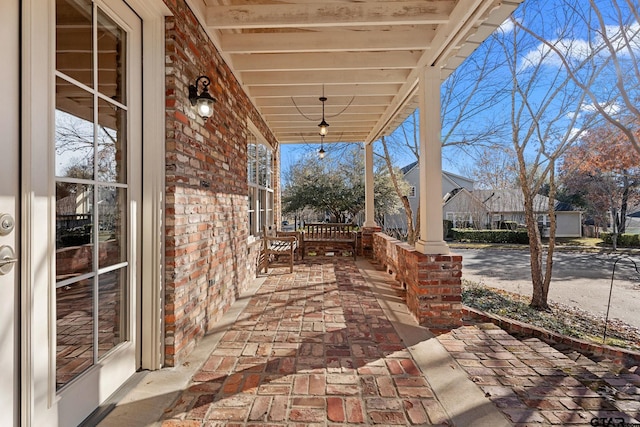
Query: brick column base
x=434 y=294
x=366 y=241
x=433 y=282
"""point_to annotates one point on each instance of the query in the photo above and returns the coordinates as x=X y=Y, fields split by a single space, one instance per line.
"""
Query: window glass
x=260 y=180
x=74 y=40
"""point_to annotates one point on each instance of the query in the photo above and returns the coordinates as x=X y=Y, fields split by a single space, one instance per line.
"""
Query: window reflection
x=111 y=313
x=74 y=226
x=111 y=143
x=74 y=40
x=74 y=131
x=111 y=58
x=74 y=330
x=112 y=225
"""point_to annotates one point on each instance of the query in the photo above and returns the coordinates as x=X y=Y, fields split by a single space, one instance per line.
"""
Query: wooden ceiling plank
x=327 y=61
x=417 y=38
x=323 y=14
x=330 y=110
x=286 y=78
x=342 y=118
x=312 y=101
x=258 y=91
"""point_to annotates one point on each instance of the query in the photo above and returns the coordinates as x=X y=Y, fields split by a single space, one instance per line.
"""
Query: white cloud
x=506 y=27
x=580 y=49
x=611 y=109
x=576 y=49
x=576 y=133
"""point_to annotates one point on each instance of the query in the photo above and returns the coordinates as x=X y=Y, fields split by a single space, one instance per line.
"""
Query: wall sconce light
x=203 y=101
x=321 y=151
x=323 y=124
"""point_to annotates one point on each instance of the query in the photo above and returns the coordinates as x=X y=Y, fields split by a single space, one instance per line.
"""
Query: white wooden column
x=369 y=218
x=431 y=240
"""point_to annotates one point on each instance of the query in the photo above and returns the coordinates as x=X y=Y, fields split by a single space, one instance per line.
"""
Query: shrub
x=624 y=240
x=490 y=236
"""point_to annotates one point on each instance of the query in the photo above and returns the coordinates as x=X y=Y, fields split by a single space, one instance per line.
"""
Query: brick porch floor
x=332 y=344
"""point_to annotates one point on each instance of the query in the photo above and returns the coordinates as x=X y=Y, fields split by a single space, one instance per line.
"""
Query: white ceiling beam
x=416 y=38
x=324 y=14
x=299 y=127
x=330 y=110
x=313 y=101
x=345 y=117
x=287 y=78
x=327 y=61
x=258 y=91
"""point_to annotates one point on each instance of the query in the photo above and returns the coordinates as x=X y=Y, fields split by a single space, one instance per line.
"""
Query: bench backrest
x=328 y=231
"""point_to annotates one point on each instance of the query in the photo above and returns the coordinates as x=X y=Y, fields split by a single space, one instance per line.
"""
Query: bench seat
x=279 y=244
x=328 y=235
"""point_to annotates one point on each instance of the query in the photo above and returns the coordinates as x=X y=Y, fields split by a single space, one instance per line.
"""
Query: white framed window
x=260 y=179
x=412 y=191
x=460 y=219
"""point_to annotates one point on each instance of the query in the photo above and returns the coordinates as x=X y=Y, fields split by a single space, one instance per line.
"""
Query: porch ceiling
x=365 y=56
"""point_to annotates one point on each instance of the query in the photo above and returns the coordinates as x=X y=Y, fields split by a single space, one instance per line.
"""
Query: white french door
x=84 y=192
x=9 y=214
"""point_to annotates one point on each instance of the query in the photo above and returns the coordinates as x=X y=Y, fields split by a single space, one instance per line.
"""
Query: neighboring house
x=508 y=205
x=450 y=184
x=633 y=223
x=483 y=209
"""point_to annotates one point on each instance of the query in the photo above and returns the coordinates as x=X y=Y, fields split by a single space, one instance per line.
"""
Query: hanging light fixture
x=321 y=151
x=323 y=124
x=203 y=102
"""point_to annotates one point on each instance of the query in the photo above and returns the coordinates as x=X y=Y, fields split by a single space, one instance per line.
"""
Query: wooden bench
x=329 y=235
x=277 y=244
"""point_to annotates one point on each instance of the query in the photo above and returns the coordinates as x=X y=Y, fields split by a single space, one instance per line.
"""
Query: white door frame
x=9 y=204
x=38 y=399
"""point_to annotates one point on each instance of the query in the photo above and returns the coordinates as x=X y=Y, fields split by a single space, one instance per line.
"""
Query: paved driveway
x=579 y=279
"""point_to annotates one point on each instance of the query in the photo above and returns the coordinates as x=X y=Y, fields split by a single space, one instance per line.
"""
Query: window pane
x=268 y=168
x=74 y=42
x=251 y=164
x=252 y=211
x=74 y=131
x=74 y=330
x=269 y=208
x=112 y=221
x=111 y=58
x=261 y=208
x=112 y=321
x=262 y=165
x=112 y=143
x=74 y=225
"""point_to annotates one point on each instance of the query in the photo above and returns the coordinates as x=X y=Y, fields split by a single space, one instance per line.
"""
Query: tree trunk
x=411 y=230
x=552 y=234
x=540 y=291
x=622 y=225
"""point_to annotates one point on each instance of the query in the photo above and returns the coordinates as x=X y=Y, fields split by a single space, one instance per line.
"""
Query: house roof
x=512 y=200
x=448 y=175
x=364 y=56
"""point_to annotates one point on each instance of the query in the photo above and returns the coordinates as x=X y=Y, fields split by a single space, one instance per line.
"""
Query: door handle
x=7 y=259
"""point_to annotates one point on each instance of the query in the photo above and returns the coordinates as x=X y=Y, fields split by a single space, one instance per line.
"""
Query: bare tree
x=611 y=49
x=545 y=114
x=495 y=168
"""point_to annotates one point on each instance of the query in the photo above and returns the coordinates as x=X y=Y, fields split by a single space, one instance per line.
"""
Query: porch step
x=546 y=382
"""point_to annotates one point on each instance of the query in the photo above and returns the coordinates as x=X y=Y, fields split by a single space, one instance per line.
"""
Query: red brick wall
x=433 y=282
x=208 y=259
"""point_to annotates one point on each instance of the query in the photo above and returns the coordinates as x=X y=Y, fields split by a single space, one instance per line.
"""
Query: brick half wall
x=433 y=282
